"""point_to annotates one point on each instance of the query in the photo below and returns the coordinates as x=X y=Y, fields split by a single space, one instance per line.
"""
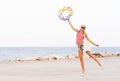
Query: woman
x=81 y=34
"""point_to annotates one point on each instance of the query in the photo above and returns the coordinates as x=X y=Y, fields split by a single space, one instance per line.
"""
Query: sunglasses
x=83 y=27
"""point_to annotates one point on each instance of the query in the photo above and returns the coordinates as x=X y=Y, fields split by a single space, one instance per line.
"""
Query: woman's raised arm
x=72 y=25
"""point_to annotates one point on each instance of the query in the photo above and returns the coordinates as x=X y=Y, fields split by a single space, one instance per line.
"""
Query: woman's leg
x=93 y=57
x=80 y=52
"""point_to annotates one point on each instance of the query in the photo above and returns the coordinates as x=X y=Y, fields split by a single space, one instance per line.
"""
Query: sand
x=60 y=70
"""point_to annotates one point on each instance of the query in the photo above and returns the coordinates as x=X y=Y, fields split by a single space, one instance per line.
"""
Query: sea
x=10 y=53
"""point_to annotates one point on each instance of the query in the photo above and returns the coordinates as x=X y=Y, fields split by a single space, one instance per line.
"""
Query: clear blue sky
x=36 y=23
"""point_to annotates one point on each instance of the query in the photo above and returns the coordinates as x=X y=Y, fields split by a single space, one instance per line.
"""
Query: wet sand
x=61 y=70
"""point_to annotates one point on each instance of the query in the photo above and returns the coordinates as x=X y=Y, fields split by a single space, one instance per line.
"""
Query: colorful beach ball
x=65 y=13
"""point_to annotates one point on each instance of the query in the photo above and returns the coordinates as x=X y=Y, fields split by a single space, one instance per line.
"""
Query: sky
x=35 y=23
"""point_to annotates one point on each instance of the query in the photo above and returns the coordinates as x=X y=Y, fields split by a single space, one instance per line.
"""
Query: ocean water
x=9 y=53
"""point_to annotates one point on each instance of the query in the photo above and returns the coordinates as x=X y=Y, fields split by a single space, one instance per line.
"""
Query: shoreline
x=58 y=57
x=41 y=53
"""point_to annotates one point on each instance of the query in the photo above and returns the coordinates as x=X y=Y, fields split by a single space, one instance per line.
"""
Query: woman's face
x=82 y=29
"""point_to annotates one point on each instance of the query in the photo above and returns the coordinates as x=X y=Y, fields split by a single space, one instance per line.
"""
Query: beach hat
x=83 y=26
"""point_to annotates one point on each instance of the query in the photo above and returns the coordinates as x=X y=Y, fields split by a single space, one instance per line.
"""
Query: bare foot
x=83 y=74
x=101 y=67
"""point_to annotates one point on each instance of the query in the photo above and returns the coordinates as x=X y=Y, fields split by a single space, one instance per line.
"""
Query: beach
x=60 y=70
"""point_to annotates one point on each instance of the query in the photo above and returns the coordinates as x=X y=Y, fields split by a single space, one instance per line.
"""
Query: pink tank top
x=79 y=37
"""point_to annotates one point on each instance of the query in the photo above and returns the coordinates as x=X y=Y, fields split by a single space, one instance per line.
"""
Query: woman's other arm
x=91 y=41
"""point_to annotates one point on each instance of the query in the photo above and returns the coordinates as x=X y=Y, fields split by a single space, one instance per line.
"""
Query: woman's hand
x=68 y=20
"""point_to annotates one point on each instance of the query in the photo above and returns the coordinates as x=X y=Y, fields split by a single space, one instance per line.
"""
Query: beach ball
x=65 y=13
